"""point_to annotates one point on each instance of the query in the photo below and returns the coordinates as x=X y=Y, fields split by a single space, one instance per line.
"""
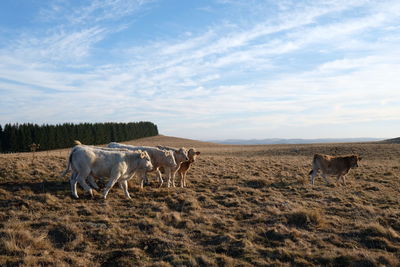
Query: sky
x=205 y=70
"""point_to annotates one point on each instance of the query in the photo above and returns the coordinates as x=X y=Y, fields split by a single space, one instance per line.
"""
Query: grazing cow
x=333 y=165
x=180 y=155
x=118 y=166
x=185 y=166
x=159 y=159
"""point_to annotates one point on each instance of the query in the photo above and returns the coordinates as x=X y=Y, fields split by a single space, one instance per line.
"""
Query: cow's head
x=192 y=154
x=181 y=155
x=354 y=159
x=146 y=161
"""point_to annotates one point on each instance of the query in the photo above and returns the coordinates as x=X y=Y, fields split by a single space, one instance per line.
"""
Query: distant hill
x=165 y=140
x=392 y=141
x=270 y=141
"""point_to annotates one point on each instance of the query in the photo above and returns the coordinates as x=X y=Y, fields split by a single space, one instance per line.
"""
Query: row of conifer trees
x=20 y=137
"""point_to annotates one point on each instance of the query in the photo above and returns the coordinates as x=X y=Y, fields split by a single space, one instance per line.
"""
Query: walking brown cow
x=333 y=165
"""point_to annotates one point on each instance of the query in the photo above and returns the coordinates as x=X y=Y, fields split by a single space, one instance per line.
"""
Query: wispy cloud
x=304 y=64
x=89 y=12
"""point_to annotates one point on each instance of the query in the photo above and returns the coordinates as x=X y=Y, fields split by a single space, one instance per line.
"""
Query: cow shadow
x=45 y=186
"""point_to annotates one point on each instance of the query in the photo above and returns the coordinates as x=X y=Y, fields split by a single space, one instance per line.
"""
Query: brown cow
x=185 y=166
x=333 y=165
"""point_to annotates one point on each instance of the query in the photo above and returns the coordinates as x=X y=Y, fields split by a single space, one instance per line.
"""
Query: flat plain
x=244 y=206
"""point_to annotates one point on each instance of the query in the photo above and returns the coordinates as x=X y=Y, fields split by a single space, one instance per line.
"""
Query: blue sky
x=205 y=69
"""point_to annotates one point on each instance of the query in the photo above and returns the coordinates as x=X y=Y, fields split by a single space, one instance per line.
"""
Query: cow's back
x=100 y=162
x=107 y=161
x=156 y=155
x=82 y=157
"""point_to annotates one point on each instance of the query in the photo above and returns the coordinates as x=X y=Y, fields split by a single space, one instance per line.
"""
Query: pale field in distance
x=244 y=206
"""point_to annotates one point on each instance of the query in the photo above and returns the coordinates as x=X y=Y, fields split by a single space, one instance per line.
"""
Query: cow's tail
x=68 y=165
x=77 y=143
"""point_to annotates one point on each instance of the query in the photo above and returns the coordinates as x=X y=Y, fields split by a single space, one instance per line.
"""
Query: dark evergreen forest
x=19 y=137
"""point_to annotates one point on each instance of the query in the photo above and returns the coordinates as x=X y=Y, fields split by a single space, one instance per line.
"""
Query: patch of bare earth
x=244 y=206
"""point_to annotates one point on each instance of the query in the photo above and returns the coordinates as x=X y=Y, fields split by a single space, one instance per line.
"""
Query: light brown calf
x=333 y=165
x=185 y=166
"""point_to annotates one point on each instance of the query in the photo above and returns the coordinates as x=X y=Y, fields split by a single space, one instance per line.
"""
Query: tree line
x=19 y=137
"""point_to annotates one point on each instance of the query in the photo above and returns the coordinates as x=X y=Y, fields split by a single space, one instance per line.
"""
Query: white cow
x=90 y=178
x=159 y=159
x=118 y=166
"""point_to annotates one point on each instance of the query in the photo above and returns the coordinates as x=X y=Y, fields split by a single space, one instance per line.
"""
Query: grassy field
x=244 y=206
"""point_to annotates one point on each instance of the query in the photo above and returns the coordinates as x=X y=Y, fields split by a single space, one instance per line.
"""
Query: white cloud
x=236 y=78
x=90 y=12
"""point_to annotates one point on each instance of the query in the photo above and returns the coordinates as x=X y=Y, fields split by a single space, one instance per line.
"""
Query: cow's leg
x=124 y=186
x=73 y=181
x=338 y=177
x=76 y=178
x=169 y=172
x=142 y=175
x=146 y=180
x=344 y=179
x=160 y=179
x=181 y=178
x=143 y=178
x=313 y=173
x=113 y=179
x=173 y=178
x=82 y=181
x=184 y=178
x=326 y=180
x=92 y=182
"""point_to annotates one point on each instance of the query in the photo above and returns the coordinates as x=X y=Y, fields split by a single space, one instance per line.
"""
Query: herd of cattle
x=120 y=163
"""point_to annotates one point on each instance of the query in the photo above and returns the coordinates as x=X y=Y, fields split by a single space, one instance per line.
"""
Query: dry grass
x=244 y=206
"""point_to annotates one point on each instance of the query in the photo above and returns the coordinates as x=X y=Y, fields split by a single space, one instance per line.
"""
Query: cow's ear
x=359 y=158
x=142 y=155
x=198 y=153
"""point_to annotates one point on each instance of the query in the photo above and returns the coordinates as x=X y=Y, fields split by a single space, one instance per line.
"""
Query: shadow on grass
x=37 y=187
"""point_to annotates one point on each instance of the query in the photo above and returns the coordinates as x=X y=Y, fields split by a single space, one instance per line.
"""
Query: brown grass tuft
x=256 y=183
x=244 y=206
x=18 y=239
x=306 y=218
x=375 y=229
